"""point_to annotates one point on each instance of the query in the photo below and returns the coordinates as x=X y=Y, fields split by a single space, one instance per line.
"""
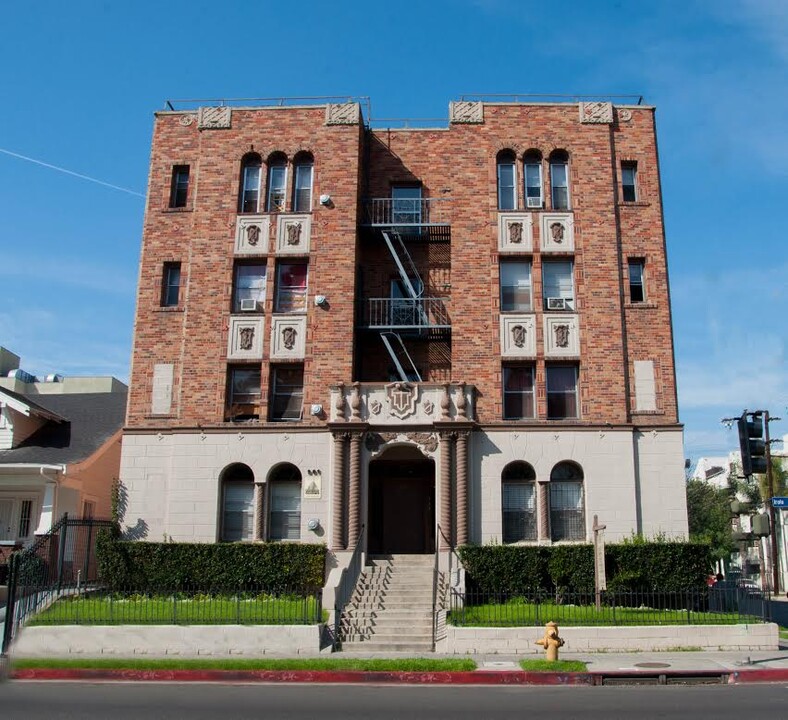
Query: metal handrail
x=347 y=583
x=408 y=212
x=532 y=97
x=429 y=312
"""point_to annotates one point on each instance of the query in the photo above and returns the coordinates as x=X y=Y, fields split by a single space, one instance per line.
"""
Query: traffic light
x=751 y=443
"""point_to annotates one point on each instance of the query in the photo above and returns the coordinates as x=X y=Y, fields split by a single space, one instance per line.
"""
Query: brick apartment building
x=348 y=333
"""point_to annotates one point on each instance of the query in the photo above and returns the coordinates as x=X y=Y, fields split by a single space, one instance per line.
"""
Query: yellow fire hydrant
x=551 y=642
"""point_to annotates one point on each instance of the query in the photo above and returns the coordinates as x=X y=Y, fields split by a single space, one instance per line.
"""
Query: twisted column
x=447 y=451
x=259 y=512
x=338 y=527
x=354 y=504
x=543 y=511
x=462 y=488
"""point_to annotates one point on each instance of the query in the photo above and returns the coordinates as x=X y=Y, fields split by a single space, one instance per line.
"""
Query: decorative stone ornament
x=251 y=234
x=515 y=232
x=293 y=234
x=561 y=335
x=624 y=114
x=343 y=114
x=518 y=335
x=246 y=335
x=557 y=232
x=214 y=118
x=596 y=112
x=187 y=120
x=245 y=338
x=287 y=337
x=402 y=398
x=466 y=112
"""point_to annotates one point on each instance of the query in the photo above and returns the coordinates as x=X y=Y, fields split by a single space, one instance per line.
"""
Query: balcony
x=425 y=217
x=405 y=314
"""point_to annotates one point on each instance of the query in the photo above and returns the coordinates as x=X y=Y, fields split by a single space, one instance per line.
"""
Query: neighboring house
x=59 y=449
x=715 y=470
x=466 y=326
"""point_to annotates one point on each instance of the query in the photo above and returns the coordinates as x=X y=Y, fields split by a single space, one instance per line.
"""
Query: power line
x=71 y=172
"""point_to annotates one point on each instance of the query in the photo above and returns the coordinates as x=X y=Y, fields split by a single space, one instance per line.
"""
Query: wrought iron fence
x=533 y=608
x=406 y=212
x=407 y=313
x=182 y=605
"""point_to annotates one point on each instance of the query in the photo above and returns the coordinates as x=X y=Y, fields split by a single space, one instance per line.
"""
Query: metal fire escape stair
x=400 y=357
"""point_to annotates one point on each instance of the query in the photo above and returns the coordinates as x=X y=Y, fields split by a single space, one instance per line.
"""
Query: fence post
x=174 y=608
x=238 y=607
x=61 y=555
x=10 y=602
x=689 y=605
x=86 y=564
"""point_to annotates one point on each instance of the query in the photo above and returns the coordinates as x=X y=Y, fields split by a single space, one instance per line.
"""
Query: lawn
x=361 y=664
x=518 y=613
x=181 y=610
x=553 y=666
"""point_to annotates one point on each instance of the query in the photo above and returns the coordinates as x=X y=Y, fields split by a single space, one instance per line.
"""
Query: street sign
x=780 y=502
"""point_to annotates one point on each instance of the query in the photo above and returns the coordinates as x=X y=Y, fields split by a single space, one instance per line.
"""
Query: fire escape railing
x=406 y=313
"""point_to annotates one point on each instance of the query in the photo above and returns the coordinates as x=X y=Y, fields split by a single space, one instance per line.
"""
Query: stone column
x=338 y=484
x=543 y=510
x=354 y=499
x=259 y=512
x=462 y=487
x=447 y=452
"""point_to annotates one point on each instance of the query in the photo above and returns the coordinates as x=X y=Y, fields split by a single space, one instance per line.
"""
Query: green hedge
x=130 y=565
x=653 y=566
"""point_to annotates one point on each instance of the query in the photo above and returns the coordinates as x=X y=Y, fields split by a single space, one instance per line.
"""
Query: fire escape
x=400 y=223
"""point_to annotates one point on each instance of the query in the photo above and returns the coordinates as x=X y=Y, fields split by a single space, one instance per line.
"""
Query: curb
x=475 y=677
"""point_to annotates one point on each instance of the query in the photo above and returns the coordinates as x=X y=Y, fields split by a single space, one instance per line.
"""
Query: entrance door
x=6 y=519
x=401 y=506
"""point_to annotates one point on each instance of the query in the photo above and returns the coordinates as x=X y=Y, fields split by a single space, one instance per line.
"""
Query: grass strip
x=362 y=664
x=555 y=666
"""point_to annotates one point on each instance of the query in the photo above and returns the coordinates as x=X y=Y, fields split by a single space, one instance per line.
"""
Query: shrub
x=143 y=566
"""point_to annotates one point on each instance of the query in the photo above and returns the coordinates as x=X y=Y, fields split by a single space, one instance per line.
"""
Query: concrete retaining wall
x=521 y=641
x=167 y=640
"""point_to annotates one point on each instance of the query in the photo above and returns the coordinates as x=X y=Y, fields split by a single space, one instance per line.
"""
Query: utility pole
x=772 y=509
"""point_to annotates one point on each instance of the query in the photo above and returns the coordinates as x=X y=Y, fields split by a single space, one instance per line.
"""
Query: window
x=277 y=182
x=249 y=288
x=291 y=284
x=251 y=168
x=302 y=187
x=533 y=180
x=559 y=180
x=518 y=496
x=179 y=189
x=284 y=522
x=406 y=205
x=637 y=285
x=561 y=383
x=567 y=504
x=88 y=509
x=515 y=286
x=518 y=392
x=629 y=181
x=237 y=503
x=243 y=393
x=507 y=185
x=171 y=284
x=25 y=517
x=558 y=285
x=287 y=393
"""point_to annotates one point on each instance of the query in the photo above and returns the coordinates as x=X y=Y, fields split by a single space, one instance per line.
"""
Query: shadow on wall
x=138 y=532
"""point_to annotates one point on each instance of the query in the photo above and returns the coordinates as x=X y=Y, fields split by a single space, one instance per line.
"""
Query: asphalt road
x=156 y=701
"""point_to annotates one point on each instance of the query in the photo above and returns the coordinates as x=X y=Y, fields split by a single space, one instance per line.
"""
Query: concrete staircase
x=391 y=607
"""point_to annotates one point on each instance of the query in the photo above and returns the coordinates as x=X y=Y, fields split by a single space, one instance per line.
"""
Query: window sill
x=161 y=416
x=168 y=309
x=634 y=203
x=641 y=305
x=648 y=412
x=177 y=210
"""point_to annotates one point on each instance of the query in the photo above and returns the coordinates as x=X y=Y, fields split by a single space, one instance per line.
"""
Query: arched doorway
x=401 y=517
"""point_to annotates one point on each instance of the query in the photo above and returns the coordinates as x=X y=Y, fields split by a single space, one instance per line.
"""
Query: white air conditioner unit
x=248 y=305
x=533 y=202
x=559 y=303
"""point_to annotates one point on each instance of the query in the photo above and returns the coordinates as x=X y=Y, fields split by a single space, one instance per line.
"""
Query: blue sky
x=80 y=81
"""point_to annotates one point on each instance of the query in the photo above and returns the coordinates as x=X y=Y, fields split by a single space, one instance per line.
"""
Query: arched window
x=284 y=502
x=532 y=161
x=237 y=482
x=518 y=495
x=277 y=182
x=559 y=179
x=251 y=168
x=507 y=185
x=567 y=502
x=302 y=182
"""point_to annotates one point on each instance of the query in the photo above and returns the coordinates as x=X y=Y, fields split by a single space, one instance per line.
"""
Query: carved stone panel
x=245 y=340
x=466 y=112
x=288 y=337
x=561 y=336
x=596 y=112
x=515 y=232
x=402 y=398
x=557 y=232
x=343 y=114
x=293 y=234
x=214 y=118
x=518 y=336
x=251 y=234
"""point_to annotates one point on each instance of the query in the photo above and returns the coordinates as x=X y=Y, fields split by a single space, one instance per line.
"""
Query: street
x=156 y=701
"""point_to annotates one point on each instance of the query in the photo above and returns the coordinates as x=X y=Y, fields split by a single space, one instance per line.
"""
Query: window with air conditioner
x=558 y=285
x=249 y=288
x=533 y=180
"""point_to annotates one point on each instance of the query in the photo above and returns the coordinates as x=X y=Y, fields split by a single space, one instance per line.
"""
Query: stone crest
x=515 y=232
x=293 y=231
x=624 y=115
x=596 y=112
x=252 y=234
x=375 y=407
x=246 y=338
x=214 y=118
x=518 y=335
x=466 y=112
x=561 y=335
x=402 y=398
x=289 y=337
x=343 y=114
x=429 y=407
x=557 y=232
x=187 y=120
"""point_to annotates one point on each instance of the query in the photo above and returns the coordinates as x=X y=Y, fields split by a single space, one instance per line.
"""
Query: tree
x=709 y=511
